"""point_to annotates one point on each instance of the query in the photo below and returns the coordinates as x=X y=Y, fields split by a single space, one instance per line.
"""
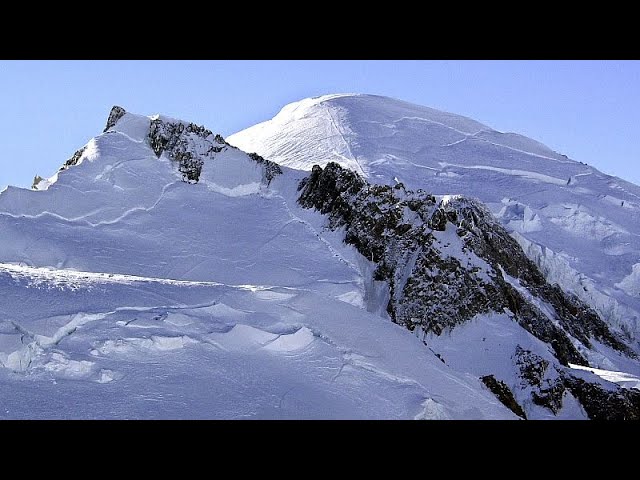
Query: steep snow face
x=96 y=345
x=149 y=293
x=582 y=227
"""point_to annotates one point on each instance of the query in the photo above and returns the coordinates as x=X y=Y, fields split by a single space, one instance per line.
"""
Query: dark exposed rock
x=579 y=320
x=504 y=394
x=602 y=404
x=532 y=370
x=189 y=166
x=176 y=140
x=271 y=169
x=165 y=136
x=432 y=290
x=330 y=191
x=116 y=114
x=551 y=396
x=74 y=159
x=532 y=366
x=482 y=233
x=486 y=237
x=447 y=261
x=533 y=320
x=36 y=180
x=438 y=220
x=190 y=145
x=203 y=132
x=441 y=292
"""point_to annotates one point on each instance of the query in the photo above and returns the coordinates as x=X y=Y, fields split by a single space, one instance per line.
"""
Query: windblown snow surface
x=130 y=293
x=579 y=225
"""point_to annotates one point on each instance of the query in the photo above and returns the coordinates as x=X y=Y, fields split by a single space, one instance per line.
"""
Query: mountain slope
x=163 y=273
x=580 y=226
x=446 y=262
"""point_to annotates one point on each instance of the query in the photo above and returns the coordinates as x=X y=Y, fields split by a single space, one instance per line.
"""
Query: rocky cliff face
x=74 y=159
x=187 y=144
x=580 y=226
x=116 y=114
x=447 y=260
x=190 y=145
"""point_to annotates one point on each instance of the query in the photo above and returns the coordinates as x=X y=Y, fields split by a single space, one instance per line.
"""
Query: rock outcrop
x=447 y=260
x=116 y=114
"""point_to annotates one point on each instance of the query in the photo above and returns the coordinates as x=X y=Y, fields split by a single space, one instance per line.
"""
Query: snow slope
x=90 y=345
x=163 y=273
x=581 y=226
x=130 y=293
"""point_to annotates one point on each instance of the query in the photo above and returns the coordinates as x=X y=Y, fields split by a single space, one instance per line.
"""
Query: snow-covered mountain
x=579 y=225
x=163 y=273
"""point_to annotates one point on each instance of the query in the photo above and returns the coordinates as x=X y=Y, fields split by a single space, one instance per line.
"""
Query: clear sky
x=588 y=110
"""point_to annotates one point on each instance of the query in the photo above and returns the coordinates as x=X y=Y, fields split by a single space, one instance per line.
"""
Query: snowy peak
x=352 y=129
x=579 y=225
x=128 y=269
x=136 y=127
x=191 y=145
x=306 y=107
x=378 y=108
x=186 y=145
x=338 y=127
x=159 y=250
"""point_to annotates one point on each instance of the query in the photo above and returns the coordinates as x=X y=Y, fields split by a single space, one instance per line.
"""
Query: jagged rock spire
x=116 y=114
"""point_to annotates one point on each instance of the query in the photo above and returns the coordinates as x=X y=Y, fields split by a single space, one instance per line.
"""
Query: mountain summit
x=580 y=226
x=162 y=272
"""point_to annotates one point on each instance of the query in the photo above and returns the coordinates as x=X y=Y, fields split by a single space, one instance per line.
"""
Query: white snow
x=292 y=342
x=134 y=127
x=147 y=297
x=485 y=346
x=65 y=367
x=623 y=379
x=589 y=220
x=232 y=174
x=432 y=410
x=519 y=217
x=222 y=299
x=631 y=283
x=239 y=355
x=532 y=176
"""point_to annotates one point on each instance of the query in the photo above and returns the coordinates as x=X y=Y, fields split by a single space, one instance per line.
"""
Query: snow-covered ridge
x=164 y=264
x=589 y=219
x=188 y=145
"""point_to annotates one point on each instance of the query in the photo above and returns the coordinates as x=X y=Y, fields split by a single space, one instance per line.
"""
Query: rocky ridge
x=446 y=260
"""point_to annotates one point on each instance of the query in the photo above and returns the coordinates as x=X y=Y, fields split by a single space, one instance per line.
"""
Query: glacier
x=580 y=226
x=129 y=293
x=162 y=272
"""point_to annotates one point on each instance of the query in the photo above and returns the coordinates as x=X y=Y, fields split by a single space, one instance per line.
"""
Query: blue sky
x=588 y=110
